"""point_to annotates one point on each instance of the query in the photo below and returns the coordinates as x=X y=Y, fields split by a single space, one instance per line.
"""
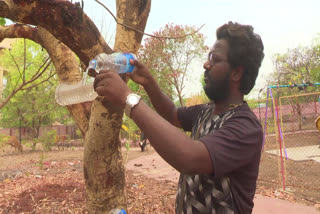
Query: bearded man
x=219 y=163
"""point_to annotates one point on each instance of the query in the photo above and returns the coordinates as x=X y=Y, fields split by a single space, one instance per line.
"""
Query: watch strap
x=127 y=110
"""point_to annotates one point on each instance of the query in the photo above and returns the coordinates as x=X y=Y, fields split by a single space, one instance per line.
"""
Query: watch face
x=133 y=100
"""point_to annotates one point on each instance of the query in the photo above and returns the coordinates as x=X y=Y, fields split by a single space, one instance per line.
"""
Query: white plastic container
x=68 y=94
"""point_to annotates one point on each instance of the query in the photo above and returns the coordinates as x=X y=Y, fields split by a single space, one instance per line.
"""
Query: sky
x=282 y=24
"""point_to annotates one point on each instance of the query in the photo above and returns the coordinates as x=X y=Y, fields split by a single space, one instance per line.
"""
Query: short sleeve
x=235 y=144
x=187 y=115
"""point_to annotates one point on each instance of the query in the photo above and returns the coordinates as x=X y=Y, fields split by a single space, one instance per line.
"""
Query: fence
x=291 y=153
x=27 y=133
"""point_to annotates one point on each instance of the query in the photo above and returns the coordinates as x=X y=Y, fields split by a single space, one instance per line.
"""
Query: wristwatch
x=132 y=101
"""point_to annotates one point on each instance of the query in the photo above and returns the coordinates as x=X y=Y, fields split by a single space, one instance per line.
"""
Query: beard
x=217 y=90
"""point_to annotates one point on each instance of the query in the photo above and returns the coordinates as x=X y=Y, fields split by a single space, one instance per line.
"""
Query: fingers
x=137 y=67
x=136 y=63
x=92 y=72
x=133 y=61
x=106 y=78
x=100 y=90
x=100 y=78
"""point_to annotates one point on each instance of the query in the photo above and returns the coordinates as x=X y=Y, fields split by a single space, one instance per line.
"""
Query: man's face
x=217 y=72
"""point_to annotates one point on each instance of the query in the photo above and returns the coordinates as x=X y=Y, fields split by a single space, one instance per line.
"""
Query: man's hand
x=140 y=73
x=109 y=84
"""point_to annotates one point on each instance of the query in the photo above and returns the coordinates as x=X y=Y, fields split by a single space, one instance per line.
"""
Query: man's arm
x=174 y=146
x=161 y=102
x=179 y=150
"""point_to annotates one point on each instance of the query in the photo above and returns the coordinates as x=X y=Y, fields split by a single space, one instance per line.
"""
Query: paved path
x=301 y=153
x=267 y=205
x=155 y=167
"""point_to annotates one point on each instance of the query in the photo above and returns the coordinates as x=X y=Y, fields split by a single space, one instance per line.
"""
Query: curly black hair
x=246 y=49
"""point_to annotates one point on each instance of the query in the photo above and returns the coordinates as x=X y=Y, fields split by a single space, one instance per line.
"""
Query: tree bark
x=103 y=166
x=63 y=19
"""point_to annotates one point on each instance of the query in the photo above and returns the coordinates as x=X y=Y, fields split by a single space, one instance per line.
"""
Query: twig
x=34 y=77
x=139 y=31
x=15 y=62
x=24 y=61
x=45 y=80
x=36 y=74
x=32 y=198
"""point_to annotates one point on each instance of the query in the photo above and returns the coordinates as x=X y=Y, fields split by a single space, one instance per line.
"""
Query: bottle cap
x=129 y=66
x=92 y=64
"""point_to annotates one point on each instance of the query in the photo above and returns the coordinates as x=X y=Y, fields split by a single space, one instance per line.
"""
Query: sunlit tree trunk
x=103 y=165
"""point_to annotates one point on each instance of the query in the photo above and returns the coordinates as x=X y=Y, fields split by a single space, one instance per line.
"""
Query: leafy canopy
x=170 y=56
x=296 y=66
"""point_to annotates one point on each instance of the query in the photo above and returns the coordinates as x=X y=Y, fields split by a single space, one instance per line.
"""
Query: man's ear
x=237 y=73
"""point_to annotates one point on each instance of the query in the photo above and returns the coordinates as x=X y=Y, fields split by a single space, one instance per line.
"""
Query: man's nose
x=206 y=65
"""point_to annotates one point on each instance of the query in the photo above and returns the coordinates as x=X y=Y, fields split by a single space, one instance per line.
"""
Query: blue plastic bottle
x=117 y=211
x=119 y=62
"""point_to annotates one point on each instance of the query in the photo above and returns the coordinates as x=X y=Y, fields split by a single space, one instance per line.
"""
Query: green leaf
x=2 y=21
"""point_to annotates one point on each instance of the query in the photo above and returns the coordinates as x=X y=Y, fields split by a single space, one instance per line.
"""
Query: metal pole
x=259 y=104
x=295 y=85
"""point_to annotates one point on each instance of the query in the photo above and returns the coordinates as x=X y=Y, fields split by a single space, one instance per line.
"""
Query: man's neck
x=227 y=104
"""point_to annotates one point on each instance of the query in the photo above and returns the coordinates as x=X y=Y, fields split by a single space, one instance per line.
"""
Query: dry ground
x=52 y=182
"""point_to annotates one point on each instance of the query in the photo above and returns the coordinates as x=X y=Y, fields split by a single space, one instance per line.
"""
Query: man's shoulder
x=199 y=106
x=244 y=110
x=194 y=109
x=244 y=117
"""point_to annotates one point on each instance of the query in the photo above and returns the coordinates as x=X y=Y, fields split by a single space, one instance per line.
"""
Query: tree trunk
x=103 y=167
x=67 y=68
x=103 y=163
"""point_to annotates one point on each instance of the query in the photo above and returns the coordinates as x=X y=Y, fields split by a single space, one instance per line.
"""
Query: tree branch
x=19 y=31
x=151 y=35
x=20 y=87
x=63 y=19
x=10 y=96
x=38 y=73
x=45 y=80
x=14 y=61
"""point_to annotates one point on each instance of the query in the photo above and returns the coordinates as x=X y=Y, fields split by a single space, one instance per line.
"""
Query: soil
x=52 y=182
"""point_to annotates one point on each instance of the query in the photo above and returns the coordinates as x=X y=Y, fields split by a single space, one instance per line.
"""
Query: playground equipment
x=278 y=125
x=318 y=123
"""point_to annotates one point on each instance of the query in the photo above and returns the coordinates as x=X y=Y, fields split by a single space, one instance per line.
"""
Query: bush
x=48 y=140
x=78 y=133
x=3 y=140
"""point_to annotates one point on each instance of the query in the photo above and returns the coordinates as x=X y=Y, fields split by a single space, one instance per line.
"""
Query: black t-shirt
x=234 y=146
